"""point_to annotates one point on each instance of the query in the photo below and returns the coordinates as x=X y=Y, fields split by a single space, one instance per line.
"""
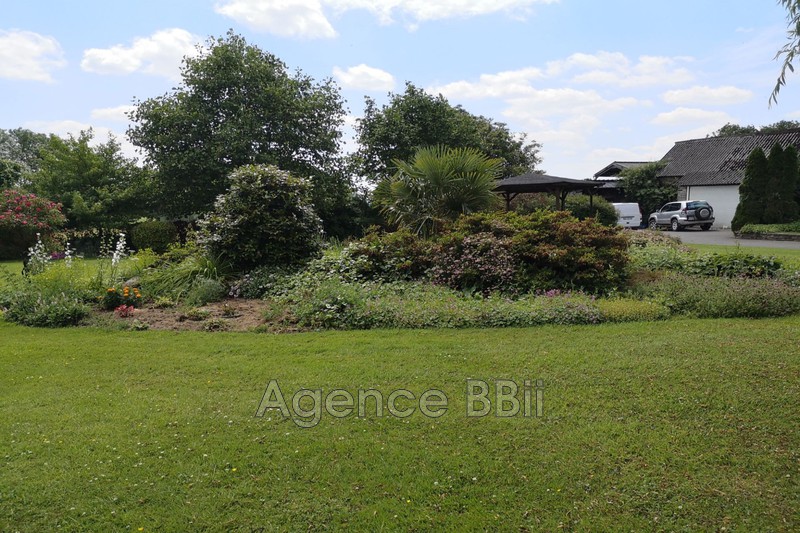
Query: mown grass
x=681 y=425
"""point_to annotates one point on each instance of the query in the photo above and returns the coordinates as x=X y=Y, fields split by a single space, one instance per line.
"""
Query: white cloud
x=602 y=68
x=364 y=77
x=614 y=68
x=25 y=55
x=500 y=85
x=160 y=54
x=425 y=10
x=287 y=18
x=727 y=95
x=308 y=18
x=687 y=115
x=566 y=102
x=116 y=114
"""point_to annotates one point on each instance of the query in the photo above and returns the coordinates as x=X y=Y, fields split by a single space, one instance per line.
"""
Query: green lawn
x=680 y=425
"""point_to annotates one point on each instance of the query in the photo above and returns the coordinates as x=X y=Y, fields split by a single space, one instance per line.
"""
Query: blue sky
x=592 y=81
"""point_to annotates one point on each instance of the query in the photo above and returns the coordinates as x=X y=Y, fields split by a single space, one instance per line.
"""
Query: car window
x=671 y=207
x=695 y=205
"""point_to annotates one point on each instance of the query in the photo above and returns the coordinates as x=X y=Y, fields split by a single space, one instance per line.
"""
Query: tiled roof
x=618 y=166
x=719 y=160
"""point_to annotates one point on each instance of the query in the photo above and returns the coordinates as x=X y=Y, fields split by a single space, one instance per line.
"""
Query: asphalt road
x=726 y=236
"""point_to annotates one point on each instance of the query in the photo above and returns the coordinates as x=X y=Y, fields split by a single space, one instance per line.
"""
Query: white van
x=629 y=215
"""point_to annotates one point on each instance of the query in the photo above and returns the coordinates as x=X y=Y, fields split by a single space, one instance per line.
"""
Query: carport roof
x=532 y=182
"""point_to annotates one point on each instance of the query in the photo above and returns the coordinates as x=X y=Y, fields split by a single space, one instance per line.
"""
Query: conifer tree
x=751 y=191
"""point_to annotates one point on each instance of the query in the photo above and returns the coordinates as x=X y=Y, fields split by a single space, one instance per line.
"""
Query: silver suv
x=679 y=215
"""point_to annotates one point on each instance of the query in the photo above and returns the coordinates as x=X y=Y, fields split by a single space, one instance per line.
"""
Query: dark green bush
x=480 y=262
x=732 y=265
x=600 y=209
x=37 y=308
x=577 y=204
x=382 y=256
x=562 y=252
x=157 y=235
x=264 y=219
x=489 y=252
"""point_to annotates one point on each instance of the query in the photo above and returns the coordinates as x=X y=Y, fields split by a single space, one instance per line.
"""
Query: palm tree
x=438 y=184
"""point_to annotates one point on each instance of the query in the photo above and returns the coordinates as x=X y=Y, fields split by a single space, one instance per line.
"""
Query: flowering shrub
x=475 y=263
x=37 y=257
x=265 y=218
x=26 y=209
x=124 y=311
x=120 y=251
x=522 y=253
x=380 y=256
x=113 y=298
x=22 y=215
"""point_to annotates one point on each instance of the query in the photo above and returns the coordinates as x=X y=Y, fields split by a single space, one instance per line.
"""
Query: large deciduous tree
x=416 y=119
x=97 y=185
x=22 y=146
x=238 y=105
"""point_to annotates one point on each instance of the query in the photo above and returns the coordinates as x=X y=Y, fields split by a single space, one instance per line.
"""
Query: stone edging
x=769 y=236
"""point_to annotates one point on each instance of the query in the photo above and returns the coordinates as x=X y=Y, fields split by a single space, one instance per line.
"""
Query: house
x=711 y=169
x=609 y=175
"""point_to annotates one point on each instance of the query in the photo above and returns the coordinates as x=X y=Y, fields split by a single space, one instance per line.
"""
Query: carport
x=509 y=188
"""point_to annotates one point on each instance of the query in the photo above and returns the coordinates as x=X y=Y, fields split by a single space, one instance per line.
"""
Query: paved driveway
x=726 y=236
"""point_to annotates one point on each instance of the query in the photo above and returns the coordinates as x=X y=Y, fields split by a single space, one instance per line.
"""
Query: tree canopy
x=22 y=146
x=733 y=130
x=238 y=105
x=97 y=185
x=416 y=119
x=642 y=185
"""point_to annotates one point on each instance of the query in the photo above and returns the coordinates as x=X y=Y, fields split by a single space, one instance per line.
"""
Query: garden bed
x=228 y=315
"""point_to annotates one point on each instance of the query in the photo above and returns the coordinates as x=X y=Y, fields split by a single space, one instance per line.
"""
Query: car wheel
x=703 y=213
x=705 y=227
x=674 y=225
x=652 y=224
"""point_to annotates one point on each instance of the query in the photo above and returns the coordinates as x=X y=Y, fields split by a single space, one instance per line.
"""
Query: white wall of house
x=723 y=198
